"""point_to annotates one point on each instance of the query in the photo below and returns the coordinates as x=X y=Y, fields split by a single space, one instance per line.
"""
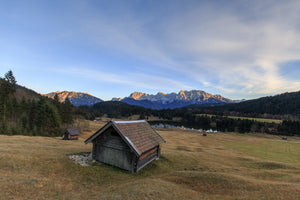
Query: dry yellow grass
x=276 y=121
x=219 y=166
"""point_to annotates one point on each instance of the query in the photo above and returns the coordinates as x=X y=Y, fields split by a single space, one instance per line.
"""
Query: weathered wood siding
x=68 y=136
x=147 y=157
x=74 y=137
x=111 y=149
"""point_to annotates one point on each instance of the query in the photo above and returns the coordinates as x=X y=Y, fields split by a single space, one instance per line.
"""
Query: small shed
x=71 y=134
x=129 y=145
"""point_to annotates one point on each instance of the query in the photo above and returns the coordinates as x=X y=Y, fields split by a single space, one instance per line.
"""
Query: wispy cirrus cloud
x=240 y=49
x=237 y=49
x=243 y=55
x=133 y=79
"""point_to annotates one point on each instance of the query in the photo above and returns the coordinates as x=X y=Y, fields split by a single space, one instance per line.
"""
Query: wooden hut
x=129 y=145
x=71 y=134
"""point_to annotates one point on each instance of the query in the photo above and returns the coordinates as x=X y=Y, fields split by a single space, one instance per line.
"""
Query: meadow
x=218 y=166
x=266 y=120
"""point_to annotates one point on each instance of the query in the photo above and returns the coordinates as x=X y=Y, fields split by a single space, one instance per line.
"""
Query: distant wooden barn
x=129 y=145
x=71 y=134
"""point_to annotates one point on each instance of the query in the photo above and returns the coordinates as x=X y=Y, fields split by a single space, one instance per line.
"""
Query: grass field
x=277 y=121
x=219 y=166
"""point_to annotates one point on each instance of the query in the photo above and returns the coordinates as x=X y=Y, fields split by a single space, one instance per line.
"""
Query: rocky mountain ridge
x=173 y=100
x=76 y=98
x=153 y=101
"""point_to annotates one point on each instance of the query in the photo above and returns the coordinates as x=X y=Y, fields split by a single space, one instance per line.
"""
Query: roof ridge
x=128 y=122
x=138 y=134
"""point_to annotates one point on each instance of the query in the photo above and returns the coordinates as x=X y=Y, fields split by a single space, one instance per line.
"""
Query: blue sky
x=239 y=49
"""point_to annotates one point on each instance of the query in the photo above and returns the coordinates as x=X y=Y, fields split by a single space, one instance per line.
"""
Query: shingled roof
x=73 y=131
x=139 y=135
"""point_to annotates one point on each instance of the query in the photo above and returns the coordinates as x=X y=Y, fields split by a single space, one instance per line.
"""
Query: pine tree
x=7 y=89
x=67 y=112
x=46 y=118
x=9 y=77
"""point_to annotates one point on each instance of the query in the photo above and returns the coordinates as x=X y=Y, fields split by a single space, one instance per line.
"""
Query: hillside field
x=276 y=121
x=219 y=166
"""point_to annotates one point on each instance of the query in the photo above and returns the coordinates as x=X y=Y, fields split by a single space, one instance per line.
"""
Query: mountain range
x=173 y=100
x=281 y=104
x=76 y=98
x=157 y=101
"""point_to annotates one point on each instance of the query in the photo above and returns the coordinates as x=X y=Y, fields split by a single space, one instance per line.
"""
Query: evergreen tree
x=47 y=119
x=67 y=112
x=9 y=77
x=7 y=89
x=30 y=117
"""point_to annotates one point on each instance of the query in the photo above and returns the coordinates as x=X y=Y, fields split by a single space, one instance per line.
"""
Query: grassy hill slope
x=219 y=166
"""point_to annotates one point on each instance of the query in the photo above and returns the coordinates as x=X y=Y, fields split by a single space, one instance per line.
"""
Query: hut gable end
x=111 y=139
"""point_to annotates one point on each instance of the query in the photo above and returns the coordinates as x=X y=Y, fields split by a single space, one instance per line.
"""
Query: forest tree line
x=48 y=117
x=196 y=118
x=43 y=117
x=283 y=106
x=227 y=124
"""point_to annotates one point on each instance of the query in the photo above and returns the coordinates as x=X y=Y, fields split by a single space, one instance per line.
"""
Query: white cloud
x=138 y=80
x=236 y=47
x=154 y=82
x=243 y=55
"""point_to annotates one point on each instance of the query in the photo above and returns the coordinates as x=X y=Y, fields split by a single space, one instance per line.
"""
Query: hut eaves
x=139 y=135
x=73 y=131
